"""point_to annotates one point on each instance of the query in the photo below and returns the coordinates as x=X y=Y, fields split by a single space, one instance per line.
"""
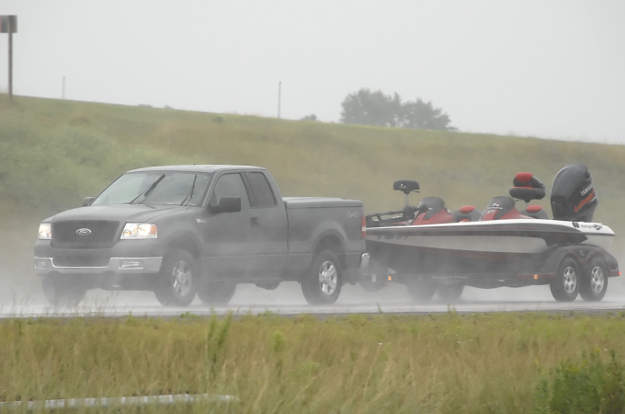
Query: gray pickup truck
x=182 y=230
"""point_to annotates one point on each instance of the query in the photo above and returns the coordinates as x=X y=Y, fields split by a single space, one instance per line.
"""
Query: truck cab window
x=230 y=185
x=263 y=196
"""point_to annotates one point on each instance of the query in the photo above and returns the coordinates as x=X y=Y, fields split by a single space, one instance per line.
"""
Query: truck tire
x=594 y=281
x=374 y=277
x=450 y=293
x=565 y=286
x=421 y=290
x=216 y=292
x=62 y=292
x=177 y=279
x=322 y=284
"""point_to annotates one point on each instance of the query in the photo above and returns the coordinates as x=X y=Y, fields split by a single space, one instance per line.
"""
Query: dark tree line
x=375 y=108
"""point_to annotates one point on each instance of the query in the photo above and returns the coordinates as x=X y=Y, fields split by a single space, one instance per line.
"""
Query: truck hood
x=129 y=213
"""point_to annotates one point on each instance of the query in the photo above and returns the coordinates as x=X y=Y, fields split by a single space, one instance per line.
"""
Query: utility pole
x=279 y=97
x=8 y=24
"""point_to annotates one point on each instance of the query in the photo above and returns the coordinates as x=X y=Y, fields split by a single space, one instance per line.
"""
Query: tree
x=375 y=108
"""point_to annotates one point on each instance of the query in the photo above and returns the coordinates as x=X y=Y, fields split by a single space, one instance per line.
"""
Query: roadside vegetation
x=53 y=153
x=447 y=363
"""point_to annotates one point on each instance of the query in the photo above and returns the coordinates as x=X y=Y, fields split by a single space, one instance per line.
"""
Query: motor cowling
x=573 y=196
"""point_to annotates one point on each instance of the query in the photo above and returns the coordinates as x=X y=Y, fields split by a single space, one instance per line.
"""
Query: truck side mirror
x=87 y=201
x=227 y=205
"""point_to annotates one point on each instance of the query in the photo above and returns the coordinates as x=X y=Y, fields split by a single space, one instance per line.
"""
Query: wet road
x=288 y=300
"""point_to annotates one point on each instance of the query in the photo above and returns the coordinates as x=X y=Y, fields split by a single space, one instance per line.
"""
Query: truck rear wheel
x=322 y=284
x=178 y=277
x=216 y=292
x=62 y=291
x=565 y=286
x=594 y=281
x=421 y=290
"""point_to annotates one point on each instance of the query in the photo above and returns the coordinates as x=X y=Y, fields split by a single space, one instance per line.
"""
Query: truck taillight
x=363 y=228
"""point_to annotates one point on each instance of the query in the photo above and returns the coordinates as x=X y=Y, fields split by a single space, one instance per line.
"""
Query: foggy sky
x=553 y=69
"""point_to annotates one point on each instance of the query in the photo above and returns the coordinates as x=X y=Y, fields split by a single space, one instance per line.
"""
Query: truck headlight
x=139 y=231
x=45 y=231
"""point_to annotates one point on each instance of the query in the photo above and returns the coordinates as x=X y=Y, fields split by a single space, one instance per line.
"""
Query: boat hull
x=495 y=250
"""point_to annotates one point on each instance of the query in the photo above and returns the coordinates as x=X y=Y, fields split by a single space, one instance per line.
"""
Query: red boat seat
x=466 y=213
x=527 y=187
x=436 y=212
x=535 y=211
x=502 y=208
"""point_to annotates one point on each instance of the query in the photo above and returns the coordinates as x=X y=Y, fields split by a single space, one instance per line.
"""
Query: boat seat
x=436 y=212
x=502 y=208
x=527 y=187
x=535 y=211
x=466 y=213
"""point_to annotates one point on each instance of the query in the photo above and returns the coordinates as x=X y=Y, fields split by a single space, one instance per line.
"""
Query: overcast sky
x=548 y=68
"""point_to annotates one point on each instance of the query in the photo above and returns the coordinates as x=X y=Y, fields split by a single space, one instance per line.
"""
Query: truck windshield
x=156 y=187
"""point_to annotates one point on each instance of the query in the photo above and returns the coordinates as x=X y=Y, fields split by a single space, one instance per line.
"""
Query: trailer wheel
x=177 y=280
x=565 y=286
x=216 y=292
x=594 y=282
x=322 y=284
x=421 y=290
x=450 y=293
x=62 y=291
x=374 y=277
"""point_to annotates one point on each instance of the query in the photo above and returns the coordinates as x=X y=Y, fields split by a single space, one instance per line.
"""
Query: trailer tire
x=321 y=285
x=421 y=290
x=216 y=292
x=450 y=293
x=594 y=281
x=374 y=277
x=62 y=291
x=177 y=279
x=565 y=286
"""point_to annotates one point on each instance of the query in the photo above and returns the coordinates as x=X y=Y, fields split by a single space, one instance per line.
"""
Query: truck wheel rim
x=328 y=277
x=570 y=280
x=597 y=279
x=182 y=278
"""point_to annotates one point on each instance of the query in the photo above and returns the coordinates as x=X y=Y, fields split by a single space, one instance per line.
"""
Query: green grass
x=449 y=363
x=53 y=153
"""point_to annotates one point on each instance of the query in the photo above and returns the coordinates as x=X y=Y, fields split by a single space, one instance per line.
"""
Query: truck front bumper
x=116 y=265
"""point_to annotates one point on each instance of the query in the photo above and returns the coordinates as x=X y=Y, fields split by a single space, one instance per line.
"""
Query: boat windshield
x=156 y=187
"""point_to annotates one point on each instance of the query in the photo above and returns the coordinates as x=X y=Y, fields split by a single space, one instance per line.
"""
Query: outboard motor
x=573 y=196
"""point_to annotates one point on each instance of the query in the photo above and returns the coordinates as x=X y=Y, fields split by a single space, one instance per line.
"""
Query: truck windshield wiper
x=190 y=196
x=149 y=190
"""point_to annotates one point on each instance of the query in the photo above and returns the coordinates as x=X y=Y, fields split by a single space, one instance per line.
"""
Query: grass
x=449 y=363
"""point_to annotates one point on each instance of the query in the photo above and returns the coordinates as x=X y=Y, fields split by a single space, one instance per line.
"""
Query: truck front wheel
x=176 y=285
x=215 y=292
x=322 y=284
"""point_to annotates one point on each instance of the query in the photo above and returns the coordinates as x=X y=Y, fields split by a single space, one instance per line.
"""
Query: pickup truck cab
x=200 y=229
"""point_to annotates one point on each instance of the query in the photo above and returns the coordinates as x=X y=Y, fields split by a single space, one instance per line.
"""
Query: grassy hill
x=53 y=153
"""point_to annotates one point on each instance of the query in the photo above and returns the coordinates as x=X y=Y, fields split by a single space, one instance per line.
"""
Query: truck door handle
x=254 y=222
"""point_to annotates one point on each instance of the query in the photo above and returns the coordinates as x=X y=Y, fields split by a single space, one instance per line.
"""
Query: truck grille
x=85 y=233
x=81 y=260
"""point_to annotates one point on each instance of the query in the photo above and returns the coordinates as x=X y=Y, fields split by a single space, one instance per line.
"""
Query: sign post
x=8 y=24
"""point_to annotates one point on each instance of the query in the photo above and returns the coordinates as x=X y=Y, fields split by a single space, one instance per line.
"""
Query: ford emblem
x=83 y=232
